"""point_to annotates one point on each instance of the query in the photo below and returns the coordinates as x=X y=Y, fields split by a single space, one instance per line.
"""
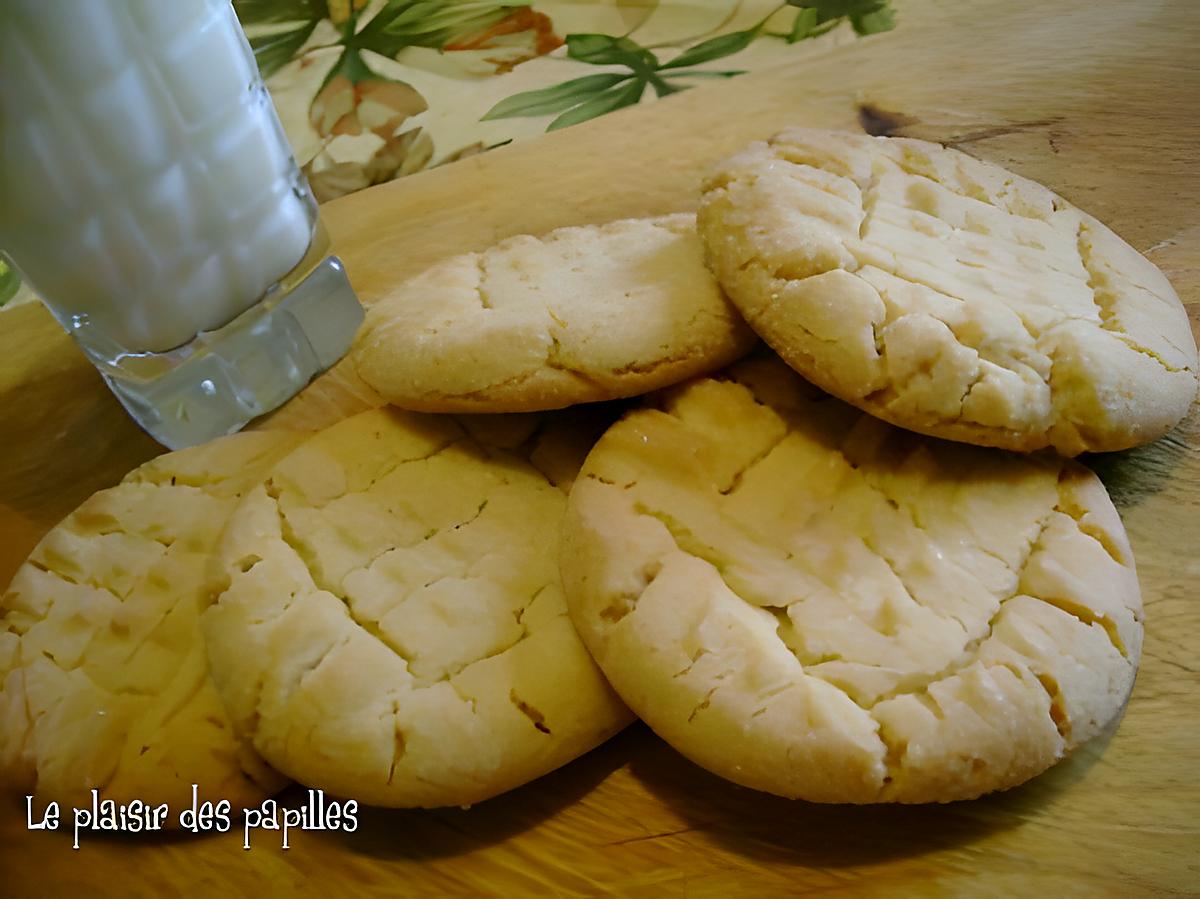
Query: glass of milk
x=149 y=196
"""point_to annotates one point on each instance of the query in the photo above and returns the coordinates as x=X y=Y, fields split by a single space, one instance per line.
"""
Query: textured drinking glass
x=149 y=196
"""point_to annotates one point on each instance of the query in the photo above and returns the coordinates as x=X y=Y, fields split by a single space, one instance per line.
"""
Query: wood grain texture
x=1098 y=100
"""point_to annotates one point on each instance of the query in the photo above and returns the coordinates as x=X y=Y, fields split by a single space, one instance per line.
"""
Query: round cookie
x=947 y=295
x=583 y=314
x=833 y=609
x=392 y=627
x=103 y=675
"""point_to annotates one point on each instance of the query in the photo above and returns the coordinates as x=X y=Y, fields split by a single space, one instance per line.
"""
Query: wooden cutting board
x=1097 y=99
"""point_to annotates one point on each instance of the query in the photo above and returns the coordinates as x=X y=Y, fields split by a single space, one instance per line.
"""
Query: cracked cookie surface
x=104 y=679
x=834 y=609
x=583 y=314
x=947 y=295
x=392 y=627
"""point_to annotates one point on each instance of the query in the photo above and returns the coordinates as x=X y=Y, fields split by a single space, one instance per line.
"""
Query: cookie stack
x=821 y=572
x=801 y=593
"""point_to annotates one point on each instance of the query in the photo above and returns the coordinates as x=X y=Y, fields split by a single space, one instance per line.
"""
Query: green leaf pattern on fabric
x=604 y=50
x=429 y=23
x=9 y=282
x=606 y=101
x=264 y=12
x=593 y=98
x=714 y=48
x=550 y=100
x=282 y=30
x=804 y=26
x=274 y=50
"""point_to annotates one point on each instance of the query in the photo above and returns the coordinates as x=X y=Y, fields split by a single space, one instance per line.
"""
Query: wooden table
x=1099 y=100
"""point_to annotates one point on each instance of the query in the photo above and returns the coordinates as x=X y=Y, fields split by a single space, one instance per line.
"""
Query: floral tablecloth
x=371 y=90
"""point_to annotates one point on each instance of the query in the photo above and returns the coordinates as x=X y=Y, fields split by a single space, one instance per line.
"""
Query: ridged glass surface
x=151 y=200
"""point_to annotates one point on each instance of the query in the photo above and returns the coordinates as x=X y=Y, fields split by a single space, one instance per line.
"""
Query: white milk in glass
x=149 y=196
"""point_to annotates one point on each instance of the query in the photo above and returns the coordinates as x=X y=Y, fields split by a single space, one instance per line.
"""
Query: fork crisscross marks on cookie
x=834 y=609
x=392 y=625
x=947 y=295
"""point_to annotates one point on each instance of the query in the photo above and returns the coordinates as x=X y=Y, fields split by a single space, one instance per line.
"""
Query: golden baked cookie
x=583 y=314
x=833 y=609
x=392 y=626
x=947 y=295
x=103 y=675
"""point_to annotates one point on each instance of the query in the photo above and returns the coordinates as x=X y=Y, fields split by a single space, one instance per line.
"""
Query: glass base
x=222 y=379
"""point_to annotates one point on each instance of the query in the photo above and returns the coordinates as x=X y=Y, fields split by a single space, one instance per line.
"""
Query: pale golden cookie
x=830 y=608
x=103 y=675
x=947 y=295
x=583 y=314
x=393 y=628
